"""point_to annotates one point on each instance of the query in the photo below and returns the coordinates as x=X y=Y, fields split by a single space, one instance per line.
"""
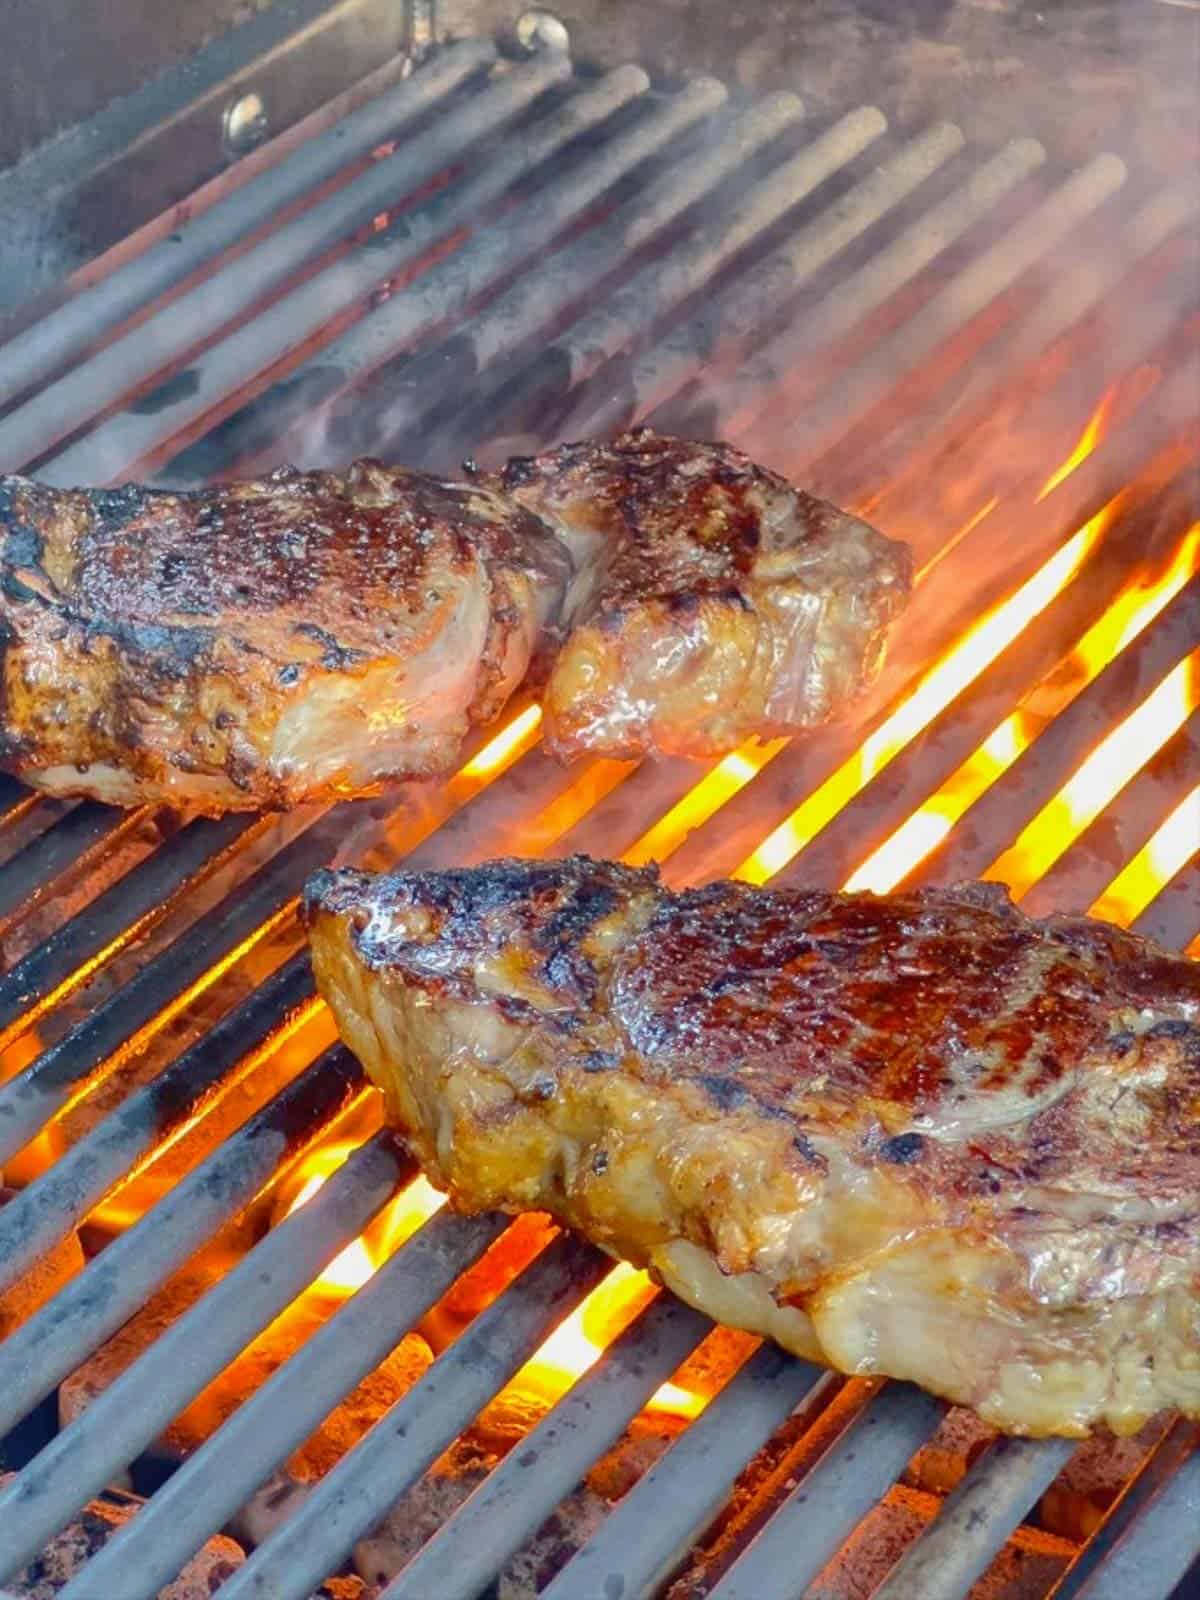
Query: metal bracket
x=420 y=28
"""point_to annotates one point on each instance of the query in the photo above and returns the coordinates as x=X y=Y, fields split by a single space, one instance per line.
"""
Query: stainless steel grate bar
x=1173 y=916
x=230 y=365
x=449 y=288
x=141 y=894
x=655 y=289
x=214 y=1482
x=42 y=349
x=1079 y=876
x=911 y=451
x=663 y=370
x=34 y=1095
x=1180 y=1442
x=519 y=1494
x=123 y=1277
x=972 y=1526
x=56 y=411
x=830 y=1501
x=355 y=1494
x=86 y=829
x=183 y=1360
x=48 y=1208
x=976 y=286
x=998 y=816
x=950 y=738
x=1157 y=1551
x=647 y=1531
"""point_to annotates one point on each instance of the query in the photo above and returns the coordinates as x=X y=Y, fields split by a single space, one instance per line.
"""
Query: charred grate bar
x=578 y=251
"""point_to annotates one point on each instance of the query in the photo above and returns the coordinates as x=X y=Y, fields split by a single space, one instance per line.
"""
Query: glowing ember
x=1130 y=613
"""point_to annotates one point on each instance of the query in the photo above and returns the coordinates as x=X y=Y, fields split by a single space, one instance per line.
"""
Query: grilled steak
x=311 y=635
x=303 y=636
x=711 y=601
x=920 y=1136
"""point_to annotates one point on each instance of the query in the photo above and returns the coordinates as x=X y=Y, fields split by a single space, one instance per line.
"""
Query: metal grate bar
x=93 y=386
x=977 y=1518
x=90 y=1451
x=909 y=451
x=975 y=287
x=12 y=794
x=449 y=288
x=132 y=905
x=297 y=318
x=700 y=175
x=1157 y=1551
x=1173 y=916
x=998 y=816
x=937 y=615
x=84 y=833
x=646 y=1532
x=1128 y=821
x=39 y=351
x=528 y=304
x=218 y=1479
x=938 y=750
x=737 y=316
x=660 y=285
x=47 y=1209
x=121 y=1279
x=30 y=1099
x=1173 y=1451
x=829 y=1502
x=356 y=1493
x=520 y=1493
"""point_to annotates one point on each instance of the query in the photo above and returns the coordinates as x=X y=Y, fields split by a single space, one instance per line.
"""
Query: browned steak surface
x=297 y=637
x=313 y=635
x=712 y=599
x=921 y=1136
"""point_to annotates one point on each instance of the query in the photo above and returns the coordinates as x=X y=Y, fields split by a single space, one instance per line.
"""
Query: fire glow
x=571 y=1350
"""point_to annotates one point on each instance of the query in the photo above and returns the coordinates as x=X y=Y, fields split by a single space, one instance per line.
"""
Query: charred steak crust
x=151 y=635
x=717 y=600
x=311 y=635
x=947 y=1141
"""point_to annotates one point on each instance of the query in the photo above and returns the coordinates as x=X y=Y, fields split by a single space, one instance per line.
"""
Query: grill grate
x=571 y=252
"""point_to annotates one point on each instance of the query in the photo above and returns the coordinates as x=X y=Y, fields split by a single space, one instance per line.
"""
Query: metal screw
x=541 y=33
x=244 y=125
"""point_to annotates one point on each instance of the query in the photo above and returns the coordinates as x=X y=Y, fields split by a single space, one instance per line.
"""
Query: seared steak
x=312 y=635
x=920 y=1136
x=711 y=599
x=305 y=636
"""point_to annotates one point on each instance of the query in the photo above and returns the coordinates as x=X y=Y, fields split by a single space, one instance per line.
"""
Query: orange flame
x=726 y=779
x=1167 y=850
x=1115 y=760
x=570 y=1351
x=966 y=659
x=1088 y=440
x=398 y=1221
x=1134 y=609
x=578 y=1343
x=504 y=747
